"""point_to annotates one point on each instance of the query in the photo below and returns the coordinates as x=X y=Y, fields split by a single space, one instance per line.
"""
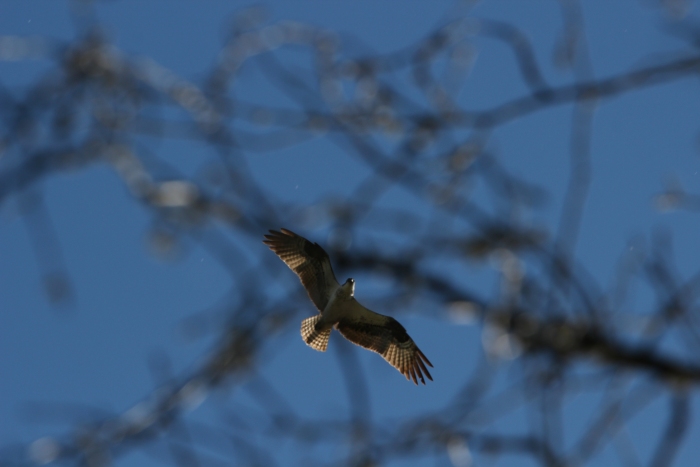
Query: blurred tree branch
x=97 y=103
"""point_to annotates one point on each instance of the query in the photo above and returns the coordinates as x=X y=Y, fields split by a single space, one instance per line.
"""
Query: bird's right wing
x=385 y=336
x=309 y=261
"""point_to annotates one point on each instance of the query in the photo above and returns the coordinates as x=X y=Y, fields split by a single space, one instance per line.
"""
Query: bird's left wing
x=309 y=261
x=386 y=336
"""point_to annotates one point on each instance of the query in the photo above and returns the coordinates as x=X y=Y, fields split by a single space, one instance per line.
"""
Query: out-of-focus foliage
x=397 y=115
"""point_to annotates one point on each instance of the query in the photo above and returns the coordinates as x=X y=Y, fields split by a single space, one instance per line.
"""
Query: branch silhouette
x=395 y=117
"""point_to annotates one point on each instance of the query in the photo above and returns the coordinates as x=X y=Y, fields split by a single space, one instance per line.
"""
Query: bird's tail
x=317 y=340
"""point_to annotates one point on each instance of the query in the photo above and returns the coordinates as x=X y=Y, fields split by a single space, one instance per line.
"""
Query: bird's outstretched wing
x=309 y=261
x=386 y=336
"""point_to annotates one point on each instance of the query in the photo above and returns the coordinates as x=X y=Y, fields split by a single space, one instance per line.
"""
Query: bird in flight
x=339 y=309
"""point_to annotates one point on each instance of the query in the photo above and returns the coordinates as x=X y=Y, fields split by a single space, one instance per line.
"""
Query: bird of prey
x=339 y=309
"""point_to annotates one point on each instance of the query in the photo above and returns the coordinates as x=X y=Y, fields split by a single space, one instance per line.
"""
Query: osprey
x=339 y=309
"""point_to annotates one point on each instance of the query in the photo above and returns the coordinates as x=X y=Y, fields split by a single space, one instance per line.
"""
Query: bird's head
x=349 y=287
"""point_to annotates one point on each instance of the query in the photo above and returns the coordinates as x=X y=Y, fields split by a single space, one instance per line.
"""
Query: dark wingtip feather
x=420 y=362
x=422 y=355
x=271 y=237
x=418 y=372
x=288 y=232
x=412 y=369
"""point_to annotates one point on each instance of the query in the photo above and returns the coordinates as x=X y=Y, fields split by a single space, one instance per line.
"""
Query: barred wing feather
x=387 y=337
x=309 y=261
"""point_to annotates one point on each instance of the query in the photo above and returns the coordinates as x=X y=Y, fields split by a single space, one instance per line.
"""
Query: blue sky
x=89 y=360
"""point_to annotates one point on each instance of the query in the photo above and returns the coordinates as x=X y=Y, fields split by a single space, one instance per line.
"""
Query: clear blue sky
x=90 y=359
